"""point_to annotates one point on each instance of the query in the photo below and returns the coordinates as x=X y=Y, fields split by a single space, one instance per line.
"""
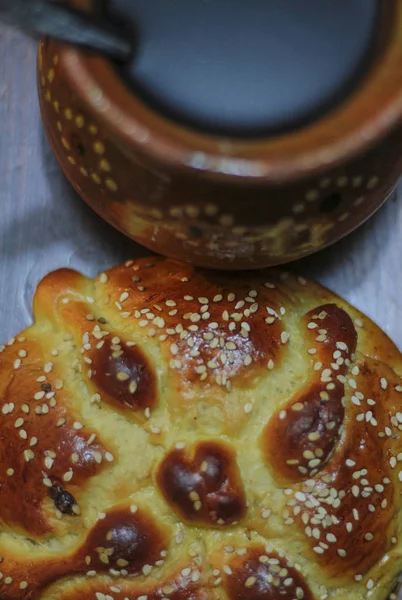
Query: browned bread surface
x=175 y=434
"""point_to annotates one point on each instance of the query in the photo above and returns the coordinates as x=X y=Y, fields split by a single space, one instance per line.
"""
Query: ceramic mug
x=216 y=200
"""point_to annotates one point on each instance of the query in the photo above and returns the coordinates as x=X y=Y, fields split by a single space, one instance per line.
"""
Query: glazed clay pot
x=221 y=202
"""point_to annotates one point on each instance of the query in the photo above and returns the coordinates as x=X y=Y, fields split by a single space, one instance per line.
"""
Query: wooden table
x=44 y=225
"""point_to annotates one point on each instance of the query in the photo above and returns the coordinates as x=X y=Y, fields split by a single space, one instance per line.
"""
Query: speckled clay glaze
x=222 y=202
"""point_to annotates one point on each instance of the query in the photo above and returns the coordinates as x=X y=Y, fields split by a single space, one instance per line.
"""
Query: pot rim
x=368 y=115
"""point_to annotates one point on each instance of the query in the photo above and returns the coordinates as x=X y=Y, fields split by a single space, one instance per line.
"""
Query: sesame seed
x=250 y=582
x=48 y=462
x=247 y=360
x=355 y=491
x=174 y=349
x=68 y=476
x=122 y=376
x=98 y=457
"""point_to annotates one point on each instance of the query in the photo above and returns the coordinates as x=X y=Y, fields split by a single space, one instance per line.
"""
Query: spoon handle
x=68 y=25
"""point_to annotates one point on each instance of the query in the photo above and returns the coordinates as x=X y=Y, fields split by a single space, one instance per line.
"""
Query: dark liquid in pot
x=247 y=67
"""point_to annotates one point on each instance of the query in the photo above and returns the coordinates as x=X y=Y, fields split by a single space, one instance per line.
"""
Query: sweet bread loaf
x=174 y=434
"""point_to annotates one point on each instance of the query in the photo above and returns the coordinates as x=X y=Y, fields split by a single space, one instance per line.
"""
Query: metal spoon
x=92 y=32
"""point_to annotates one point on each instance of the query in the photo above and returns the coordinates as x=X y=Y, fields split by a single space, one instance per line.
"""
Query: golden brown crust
x=44 y=444
x=358 y=519
x=206 y=488
x=300 y=438
x=208 y=331
x=173 y=434
x=123 y=375
x=261 y=574
x=121 y=542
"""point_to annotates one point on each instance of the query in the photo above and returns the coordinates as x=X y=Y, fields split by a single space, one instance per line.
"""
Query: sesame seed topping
x=250 y=582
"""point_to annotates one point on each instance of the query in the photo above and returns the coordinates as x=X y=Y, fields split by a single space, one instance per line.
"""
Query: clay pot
x=221 y=202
